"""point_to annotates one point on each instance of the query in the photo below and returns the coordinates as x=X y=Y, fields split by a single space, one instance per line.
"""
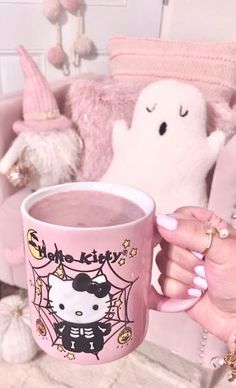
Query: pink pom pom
x=51 y=9
x=70 y=5
x=56 y=56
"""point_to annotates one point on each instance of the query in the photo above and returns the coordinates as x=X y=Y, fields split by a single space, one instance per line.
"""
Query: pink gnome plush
x=47 y=148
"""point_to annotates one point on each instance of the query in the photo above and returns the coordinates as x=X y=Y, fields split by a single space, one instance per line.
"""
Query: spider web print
x=117 y=314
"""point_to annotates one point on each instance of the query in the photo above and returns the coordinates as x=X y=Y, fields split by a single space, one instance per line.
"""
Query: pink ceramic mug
x=90 y=287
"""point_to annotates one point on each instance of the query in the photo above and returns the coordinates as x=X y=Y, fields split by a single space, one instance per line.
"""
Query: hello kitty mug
x=88 y=251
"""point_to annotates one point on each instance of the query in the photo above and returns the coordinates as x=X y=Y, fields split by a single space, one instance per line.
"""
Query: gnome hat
x=40 y=109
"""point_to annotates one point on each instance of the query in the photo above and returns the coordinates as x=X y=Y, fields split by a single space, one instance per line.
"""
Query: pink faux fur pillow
x=210 y=66
x=94 y=105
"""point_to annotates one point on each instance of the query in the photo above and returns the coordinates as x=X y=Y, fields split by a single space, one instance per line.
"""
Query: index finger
x=191 y=233
x=199 y=213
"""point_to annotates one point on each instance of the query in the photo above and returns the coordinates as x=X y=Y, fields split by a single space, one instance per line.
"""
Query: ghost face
x=170 y=109
x=75 y=306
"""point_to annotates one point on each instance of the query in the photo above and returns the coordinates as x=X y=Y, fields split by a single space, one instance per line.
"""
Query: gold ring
x=211 y=232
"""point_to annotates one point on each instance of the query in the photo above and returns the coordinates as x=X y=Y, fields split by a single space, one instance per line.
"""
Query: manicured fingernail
x=198 y=255
x=200 y=271
x=200 y=282
x=194 y=292
x=167 y=222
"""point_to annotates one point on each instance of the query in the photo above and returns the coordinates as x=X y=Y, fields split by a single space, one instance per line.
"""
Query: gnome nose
x=163 y=128
x=79 y=313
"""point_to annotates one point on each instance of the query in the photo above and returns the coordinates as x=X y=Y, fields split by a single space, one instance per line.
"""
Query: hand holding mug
x=183 y=272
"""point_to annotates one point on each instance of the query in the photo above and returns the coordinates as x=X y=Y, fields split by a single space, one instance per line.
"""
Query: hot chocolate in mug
x=89 y=252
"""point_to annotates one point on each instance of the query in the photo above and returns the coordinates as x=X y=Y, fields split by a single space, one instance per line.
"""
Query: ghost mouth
x=163 y=128
x=79 y=313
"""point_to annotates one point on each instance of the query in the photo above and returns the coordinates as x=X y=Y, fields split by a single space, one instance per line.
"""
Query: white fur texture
x=82 y=45
x=171 y=167
x=54 y=155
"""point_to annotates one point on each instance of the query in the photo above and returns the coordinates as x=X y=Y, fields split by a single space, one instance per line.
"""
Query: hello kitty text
x=39 y=251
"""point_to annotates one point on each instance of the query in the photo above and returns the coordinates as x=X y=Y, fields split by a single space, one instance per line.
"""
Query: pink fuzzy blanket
x=94 y=105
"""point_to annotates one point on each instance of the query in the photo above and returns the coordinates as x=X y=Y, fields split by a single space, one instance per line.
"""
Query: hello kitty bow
x=99 y=286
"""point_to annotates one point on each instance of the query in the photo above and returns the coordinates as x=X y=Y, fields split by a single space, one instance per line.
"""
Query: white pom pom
x=51 y=9
x=82 y=45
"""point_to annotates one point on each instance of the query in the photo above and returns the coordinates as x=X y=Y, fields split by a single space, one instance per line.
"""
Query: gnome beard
x=46 y=150
x=45 y=158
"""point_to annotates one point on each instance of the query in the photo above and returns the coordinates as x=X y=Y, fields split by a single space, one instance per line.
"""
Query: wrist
x=225 y=328
x=227 y=332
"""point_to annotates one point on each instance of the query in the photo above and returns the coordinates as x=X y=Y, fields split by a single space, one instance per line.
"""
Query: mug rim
x=116 y=189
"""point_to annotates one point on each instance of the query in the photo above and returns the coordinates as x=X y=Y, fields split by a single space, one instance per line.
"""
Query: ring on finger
x=222 y=233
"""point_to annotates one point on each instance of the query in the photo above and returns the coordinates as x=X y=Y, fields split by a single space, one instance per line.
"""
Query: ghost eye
x=150 y=110
x=95 y=306
x=181 y=112
x=61 y=306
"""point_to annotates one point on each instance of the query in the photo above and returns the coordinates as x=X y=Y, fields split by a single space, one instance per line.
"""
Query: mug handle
x=162 y=303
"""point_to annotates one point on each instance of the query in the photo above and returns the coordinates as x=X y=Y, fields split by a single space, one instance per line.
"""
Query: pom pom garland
x=82 y=48
x=82 y=45
x=57 y=56
x=70 y=5
x=51 y=9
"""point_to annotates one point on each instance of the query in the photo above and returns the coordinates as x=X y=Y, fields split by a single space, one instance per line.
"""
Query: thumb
x=187 y=228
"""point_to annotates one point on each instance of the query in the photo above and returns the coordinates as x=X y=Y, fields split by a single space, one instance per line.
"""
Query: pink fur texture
x=95 y=105
x=222 y=116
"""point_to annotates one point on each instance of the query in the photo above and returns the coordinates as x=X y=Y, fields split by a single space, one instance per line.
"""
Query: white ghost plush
x=166 y=152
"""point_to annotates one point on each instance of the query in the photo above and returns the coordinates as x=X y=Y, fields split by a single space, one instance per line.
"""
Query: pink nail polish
x=200 y=282
x=200 y=271
x=194 y=292
x=198 y=255
x=167 y=222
